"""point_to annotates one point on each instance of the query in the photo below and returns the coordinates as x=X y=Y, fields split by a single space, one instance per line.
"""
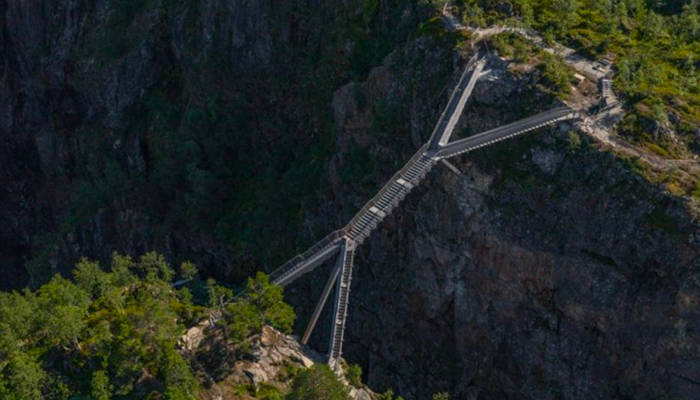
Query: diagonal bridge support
x=450 y=115
x=438 y=148
x=324 y=296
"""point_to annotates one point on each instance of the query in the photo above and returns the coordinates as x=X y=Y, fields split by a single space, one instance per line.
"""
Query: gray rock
x=546 y=160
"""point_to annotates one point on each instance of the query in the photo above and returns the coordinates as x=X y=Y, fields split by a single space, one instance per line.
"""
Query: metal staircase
x=363 y=223
x=384 y=202
x=341 y=305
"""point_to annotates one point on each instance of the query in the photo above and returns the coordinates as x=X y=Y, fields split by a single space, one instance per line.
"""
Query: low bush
x=317 y=383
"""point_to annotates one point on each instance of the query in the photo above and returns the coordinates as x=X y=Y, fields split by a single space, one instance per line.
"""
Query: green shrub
x=266 y=391
x=389 y=395
x=696 y=190
x=317 y=383
x=97 y=336
x=557 y=75
x=658 y=150
x=574 y=142
x=353 y=373
x=262 y=304
x=101 y=389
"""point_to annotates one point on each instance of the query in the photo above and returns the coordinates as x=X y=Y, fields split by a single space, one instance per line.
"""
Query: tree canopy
x=112 y=334
x=262 y=304
x=317 y=383
x=104 y=334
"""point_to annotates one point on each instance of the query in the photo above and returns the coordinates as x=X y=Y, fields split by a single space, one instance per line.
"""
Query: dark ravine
x=199 y=129
x=547 y=270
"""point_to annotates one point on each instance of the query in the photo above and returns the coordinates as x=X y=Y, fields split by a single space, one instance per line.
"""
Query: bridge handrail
x=328 y=239
x=335 y=235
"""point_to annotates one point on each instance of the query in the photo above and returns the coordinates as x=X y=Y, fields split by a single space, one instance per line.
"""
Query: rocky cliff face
x=200 y=129
x=235 y=134
x=547 y=269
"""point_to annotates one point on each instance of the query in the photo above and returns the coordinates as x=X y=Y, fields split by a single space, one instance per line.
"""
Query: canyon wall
x=198 y=129
x=236 y=134
x=546 y=269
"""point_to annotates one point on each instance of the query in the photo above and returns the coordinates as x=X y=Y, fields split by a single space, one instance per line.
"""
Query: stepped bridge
x=344 y=241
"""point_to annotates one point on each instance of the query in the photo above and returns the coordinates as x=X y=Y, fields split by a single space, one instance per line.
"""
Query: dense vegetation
x=553 y=74
x=103 y=334
x=654 y=44
x=263 y=304
x=113 y=334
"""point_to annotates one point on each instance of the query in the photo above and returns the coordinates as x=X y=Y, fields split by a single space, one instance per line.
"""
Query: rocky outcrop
x=269 y=353
x=270 y=358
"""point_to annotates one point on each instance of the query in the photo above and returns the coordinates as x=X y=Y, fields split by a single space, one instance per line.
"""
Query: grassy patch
x=657 y=149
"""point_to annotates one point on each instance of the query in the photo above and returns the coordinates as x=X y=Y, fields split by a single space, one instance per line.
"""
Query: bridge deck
x=505 y=132
x=308 y=260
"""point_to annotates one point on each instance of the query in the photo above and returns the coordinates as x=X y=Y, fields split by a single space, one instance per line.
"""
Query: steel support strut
x=324 y=296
